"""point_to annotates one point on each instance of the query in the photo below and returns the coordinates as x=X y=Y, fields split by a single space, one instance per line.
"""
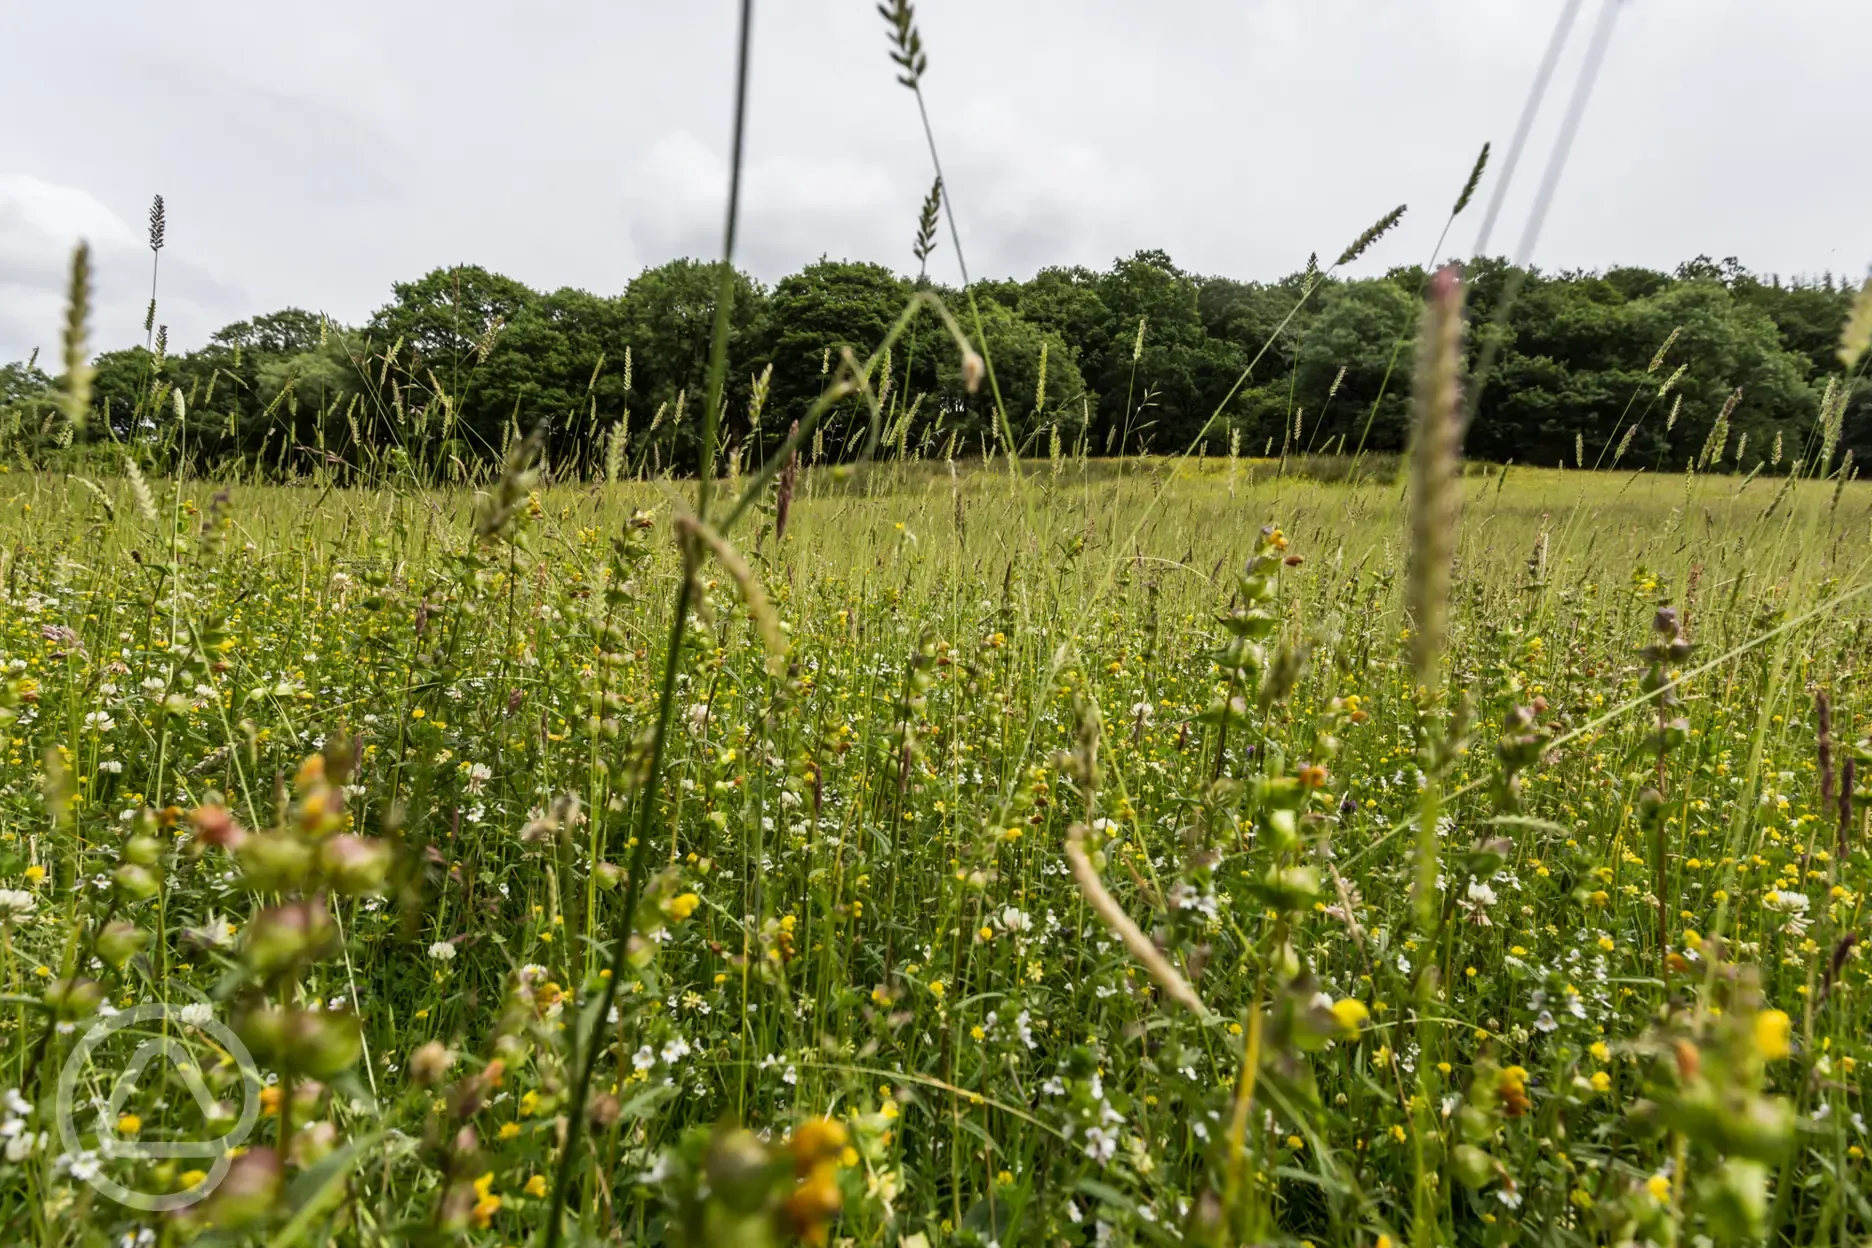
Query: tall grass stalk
x=586 y=1055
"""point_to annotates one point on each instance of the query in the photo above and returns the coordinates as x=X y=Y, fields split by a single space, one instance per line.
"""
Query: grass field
x=1036 y=860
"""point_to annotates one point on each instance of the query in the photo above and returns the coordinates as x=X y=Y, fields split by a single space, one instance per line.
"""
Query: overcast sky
x=312 y=154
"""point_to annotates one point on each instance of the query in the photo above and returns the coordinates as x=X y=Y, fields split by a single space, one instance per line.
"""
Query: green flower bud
x=1290 y=888
x=135 y=883
x=250 y=1191
x=1285 y=963
x=354 y=864
x=273 y=863
x=120 y=941
x=1735 y=1201
x=263 y=1030
x=741 y=1172
x=322 y=1043
x=313 y=1142
x=1280 y=830
x=1474 y=1167
x=73 y=998
x=283 y=937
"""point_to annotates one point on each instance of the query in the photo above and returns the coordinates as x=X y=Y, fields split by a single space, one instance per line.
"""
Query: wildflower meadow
x=919 y=844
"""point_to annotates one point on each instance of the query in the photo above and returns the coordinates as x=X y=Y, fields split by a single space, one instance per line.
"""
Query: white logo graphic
x=170 y=1039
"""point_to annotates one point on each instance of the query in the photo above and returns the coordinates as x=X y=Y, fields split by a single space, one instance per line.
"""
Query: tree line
x=1142 y=357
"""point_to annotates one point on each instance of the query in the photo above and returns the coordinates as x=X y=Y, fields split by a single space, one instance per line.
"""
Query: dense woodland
x=1137 y=359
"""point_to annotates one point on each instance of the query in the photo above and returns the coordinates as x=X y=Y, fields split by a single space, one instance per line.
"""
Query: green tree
x=307 y=395
x=668 y=317
x=1186 y=371
x=25 y=401
x=561 y=362
x=444 y=317
x=121 y=389
x=476 y=353
x=1015 y=344
x=828 y=306
x=1358 y=326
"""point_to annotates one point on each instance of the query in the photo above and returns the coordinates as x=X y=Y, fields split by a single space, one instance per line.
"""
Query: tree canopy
x=1142 y=356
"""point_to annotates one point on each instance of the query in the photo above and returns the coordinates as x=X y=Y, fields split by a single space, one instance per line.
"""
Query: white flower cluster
x=17 y=1140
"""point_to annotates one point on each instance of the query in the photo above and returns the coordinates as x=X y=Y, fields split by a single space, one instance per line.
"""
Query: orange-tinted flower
x=1512 y=1086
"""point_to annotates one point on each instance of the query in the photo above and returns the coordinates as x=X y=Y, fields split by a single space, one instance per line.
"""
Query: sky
x=311 y=155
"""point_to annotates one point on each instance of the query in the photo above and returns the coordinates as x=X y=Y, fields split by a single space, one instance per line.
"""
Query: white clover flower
x=99 y=721
x=1476 y=901
x=1785 y=901
x=442 y=951
x=195 y=1013
x=82 y=1166
x=16 y=904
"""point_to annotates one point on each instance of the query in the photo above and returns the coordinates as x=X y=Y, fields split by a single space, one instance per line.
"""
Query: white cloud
x=317 y=161
x=61 y=213
x=1028 y=197
x=1024 y=204
x=40 y=224
x=792 y=209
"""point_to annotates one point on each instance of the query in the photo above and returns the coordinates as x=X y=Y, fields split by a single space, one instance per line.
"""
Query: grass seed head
x=1436 y=442
x=75 y=391
x=1657 y=361
x=1377 y=230
x=1475 y=180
